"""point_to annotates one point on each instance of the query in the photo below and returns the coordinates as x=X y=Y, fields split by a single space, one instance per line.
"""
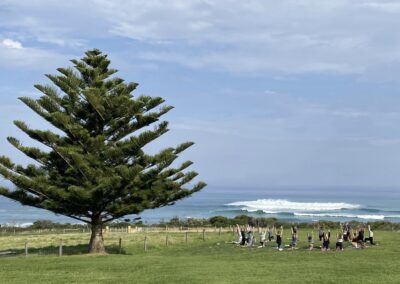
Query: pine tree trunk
x=96 y=244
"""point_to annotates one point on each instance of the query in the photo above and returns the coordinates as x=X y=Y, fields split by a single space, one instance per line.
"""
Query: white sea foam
x=250 y=210
x=342 y=215
x=393 y=216
x=281 y=205
x=19 y=225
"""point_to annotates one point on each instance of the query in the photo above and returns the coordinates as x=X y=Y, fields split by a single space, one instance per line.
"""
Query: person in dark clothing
x=321 y=233
x=243 y=234
x=326 y=241
x=360 y=236
x=279 y=236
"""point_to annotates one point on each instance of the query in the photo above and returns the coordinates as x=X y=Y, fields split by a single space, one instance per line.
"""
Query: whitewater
x=286 y=209
x=281 y=205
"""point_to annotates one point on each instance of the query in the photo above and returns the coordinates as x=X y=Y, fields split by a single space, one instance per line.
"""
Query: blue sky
x=272 y=92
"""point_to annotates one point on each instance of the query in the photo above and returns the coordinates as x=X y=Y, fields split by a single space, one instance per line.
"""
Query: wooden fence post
x=120 y=246
x=145 y=243
x=186 y=237
x=204 y=233
x=220 y=228
x=60 y=249
x=166 y=240
x=26 y=249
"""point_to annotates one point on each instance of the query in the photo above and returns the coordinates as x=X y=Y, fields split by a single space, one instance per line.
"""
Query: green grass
x=198 y=261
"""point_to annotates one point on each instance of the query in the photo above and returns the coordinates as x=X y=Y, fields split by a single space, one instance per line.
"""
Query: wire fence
x=129 y=229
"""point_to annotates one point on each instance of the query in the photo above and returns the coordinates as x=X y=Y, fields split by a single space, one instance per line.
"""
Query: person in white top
x=339 y=241
x=262 y=237
x=370 y=236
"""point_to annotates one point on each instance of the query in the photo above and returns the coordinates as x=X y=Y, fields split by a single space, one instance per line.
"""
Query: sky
x=274 y=93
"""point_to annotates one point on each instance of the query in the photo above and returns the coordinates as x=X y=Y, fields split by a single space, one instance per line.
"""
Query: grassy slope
x=211 y=261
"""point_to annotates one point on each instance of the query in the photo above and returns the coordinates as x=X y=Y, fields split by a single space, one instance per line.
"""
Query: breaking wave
x=281 y=205
x=336 y=215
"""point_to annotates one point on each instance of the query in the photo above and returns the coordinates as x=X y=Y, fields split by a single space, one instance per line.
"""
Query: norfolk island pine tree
x=96 y=171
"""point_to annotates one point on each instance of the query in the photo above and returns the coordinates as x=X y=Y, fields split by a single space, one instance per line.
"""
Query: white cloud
x=351 y=113
x=9 y=43
x=14 y=56
x=390 y=7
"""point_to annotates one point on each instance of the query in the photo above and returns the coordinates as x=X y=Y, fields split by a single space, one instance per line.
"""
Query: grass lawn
x=197 y=261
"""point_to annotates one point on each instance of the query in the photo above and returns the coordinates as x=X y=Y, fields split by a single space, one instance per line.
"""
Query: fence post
x=26 y=249
x=145 y=243
x=60 y=249
x=120 y=246
x=220 y=228
x=186 y=237
x=204 y=232
x=166 y=240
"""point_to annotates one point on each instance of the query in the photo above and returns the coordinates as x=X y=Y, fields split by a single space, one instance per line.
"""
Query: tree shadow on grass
x=80 y=249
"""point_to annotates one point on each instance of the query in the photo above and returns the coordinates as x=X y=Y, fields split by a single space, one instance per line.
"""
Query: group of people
x=355 y=238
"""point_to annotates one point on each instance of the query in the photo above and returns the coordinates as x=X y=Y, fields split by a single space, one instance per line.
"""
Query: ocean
x=292 y=204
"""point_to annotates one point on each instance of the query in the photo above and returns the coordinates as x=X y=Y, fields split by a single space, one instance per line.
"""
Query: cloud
x=277 y=37
x=389 y=7
x=289 y=36
x=9 y=43
x=270 y=93
x=351 y=113
x=64 y=24
x=13 y=55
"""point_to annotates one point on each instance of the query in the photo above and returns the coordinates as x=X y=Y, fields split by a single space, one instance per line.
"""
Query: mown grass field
x=197 y=261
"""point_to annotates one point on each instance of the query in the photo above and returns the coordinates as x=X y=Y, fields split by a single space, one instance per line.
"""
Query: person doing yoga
x=279 y=236
x=310 y=238
x=370 y=236
x=325 y=241
x=339 y=241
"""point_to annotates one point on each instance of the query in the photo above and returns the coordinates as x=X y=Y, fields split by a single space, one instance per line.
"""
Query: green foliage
x=47 y=224
x=219 y=221
x=96 y=170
